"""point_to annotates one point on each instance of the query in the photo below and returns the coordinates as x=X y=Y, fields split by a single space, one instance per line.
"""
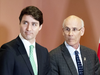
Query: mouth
x=70 y=39
x=28 y=33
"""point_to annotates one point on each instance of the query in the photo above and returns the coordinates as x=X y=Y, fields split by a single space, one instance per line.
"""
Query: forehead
x=29 y=18
x=72 y=22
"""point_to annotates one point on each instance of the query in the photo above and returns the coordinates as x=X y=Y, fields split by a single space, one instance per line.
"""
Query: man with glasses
x=71 y=58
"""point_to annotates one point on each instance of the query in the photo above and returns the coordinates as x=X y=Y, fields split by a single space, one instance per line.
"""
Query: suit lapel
x=68 y=60
x=24 y=55
x=38 y=58
x=84 y=59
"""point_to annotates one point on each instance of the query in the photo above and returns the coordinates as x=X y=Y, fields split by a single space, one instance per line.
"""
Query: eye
x=34 y=24
x=67 y=29
x=75 y=29
x=25 y=22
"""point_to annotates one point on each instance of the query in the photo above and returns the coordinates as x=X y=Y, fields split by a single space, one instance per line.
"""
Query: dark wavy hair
x=34 y=12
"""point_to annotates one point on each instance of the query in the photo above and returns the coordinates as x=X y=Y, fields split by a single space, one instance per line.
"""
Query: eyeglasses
x=67 y=29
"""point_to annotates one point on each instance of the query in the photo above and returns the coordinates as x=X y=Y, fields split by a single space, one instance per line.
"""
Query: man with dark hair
x=34 y=12
x=23 y=56
x=71 y=58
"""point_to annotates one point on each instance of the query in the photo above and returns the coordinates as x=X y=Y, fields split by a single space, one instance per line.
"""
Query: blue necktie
x=79 y=65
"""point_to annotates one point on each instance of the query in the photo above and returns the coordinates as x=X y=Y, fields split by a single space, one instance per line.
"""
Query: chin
x=27 y=38
x=71 y=44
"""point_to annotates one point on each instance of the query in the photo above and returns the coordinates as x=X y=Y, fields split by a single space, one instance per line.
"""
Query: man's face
x=72 y=31
x=29 y=28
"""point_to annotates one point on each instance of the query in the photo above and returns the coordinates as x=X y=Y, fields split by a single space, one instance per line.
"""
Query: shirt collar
x=25 y=42
x=71 y=49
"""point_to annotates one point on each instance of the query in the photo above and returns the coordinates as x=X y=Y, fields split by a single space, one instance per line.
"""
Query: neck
x=75 y=46
x=31 y=41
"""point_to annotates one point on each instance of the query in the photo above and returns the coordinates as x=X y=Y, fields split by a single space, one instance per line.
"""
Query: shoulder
x=86 y=49
x=90 y=55
x=40 y=46
x=57 y=50
x=41 y=49
x=88 y=52
x=10 y=46
x=11 y=43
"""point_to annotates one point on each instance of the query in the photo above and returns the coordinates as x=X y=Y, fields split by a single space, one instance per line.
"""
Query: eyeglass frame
x=70 y=29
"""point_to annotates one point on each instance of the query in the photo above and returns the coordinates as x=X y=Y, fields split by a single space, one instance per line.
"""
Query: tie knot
x=31 y=46
x=76 y=52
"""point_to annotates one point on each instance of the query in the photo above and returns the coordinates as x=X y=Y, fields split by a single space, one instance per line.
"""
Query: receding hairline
x=73 y=16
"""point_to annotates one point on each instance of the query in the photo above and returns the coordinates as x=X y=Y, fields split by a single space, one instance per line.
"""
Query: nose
x=70 y=32
x=29 y=27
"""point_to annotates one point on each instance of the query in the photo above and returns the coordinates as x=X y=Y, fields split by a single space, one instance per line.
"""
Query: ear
x=63 y=31
x=40 y=27
x=82 y=31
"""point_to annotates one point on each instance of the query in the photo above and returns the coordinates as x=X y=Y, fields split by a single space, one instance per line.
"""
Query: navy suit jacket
x=62 y=63
x=15 y=61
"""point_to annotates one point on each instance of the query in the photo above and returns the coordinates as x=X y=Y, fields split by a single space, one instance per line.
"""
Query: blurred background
x=54 y=12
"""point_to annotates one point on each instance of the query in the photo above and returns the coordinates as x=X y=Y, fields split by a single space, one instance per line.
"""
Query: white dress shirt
x=71 y=51
x=26 y=45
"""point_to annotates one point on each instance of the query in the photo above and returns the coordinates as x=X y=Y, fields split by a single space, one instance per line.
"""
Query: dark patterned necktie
x=79 y=65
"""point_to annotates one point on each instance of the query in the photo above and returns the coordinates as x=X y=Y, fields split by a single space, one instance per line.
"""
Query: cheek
x=78 y=36
x=65 y=34
x=36 y=31
x=22 y=29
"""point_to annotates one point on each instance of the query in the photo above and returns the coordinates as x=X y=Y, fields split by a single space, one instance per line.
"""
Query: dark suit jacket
x=62 y=63
x=15 y=61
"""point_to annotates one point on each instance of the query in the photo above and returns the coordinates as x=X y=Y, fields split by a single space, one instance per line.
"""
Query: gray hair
x=82 y=23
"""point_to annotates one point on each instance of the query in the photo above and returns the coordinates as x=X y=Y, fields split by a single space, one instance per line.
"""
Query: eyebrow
x=69 y=27
x=28 y=21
